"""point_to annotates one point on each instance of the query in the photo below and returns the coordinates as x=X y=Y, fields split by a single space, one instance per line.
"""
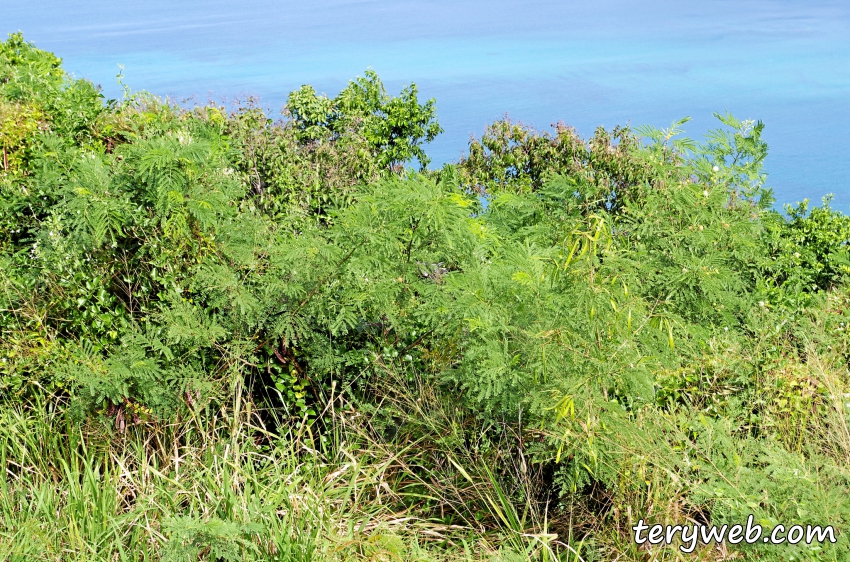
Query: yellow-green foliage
x=18 y=124
x=540 y=344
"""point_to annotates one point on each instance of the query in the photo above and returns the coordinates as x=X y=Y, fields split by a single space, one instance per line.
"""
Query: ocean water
x=586 y=63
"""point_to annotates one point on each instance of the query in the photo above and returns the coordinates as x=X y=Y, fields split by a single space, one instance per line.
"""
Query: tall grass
x=235 y=483
x=215 y=487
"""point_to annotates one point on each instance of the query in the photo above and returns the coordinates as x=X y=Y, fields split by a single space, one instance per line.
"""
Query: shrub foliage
x=628 y=314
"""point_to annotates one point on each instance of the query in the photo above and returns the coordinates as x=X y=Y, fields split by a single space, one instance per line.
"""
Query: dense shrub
x=627 y=315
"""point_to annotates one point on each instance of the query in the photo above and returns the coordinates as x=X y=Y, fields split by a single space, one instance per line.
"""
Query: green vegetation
x=228 y=338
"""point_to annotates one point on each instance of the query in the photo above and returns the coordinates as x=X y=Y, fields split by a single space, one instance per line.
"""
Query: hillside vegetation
x=225 y=337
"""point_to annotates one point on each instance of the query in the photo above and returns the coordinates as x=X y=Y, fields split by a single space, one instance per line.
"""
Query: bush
x=551 y=334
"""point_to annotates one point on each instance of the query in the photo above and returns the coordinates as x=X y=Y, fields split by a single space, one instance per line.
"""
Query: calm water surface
x=587 y=63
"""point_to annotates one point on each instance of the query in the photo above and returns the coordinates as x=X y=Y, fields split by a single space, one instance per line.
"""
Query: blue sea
x=586 y=63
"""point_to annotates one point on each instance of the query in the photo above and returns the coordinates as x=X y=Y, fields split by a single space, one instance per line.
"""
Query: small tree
x=395 y=127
